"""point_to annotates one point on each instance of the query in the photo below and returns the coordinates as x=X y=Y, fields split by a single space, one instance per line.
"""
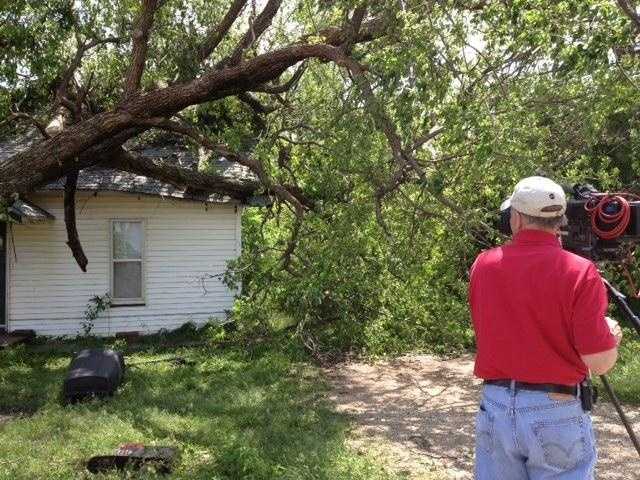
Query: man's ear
x=516 y=221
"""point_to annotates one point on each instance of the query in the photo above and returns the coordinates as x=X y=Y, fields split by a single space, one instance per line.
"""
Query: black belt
x=540 y=387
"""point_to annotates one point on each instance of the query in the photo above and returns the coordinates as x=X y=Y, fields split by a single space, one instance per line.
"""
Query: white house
x=159 y=252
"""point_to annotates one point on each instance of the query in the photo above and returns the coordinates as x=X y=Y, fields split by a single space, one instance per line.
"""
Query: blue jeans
x=522 y=434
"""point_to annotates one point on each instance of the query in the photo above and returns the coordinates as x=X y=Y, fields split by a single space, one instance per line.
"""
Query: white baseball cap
x=537 y=197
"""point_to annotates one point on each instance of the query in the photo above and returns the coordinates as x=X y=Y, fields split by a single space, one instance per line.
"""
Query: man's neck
x=552 y=231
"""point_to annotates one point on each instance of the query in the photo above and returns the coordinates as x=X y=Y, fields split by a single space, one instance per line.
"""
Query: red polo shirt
x=535 y=309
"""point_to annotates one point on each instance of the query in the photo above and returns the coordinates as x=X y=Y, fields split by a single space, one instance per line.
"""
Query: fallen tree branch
x=402 y=158
x=286 y=256
x=83 y=92
x=354 y=27
x=285 y=87
x=73 y=240
x=253 y=164
x=368 y=31
x=55 y=157
x=255 y=104
x=140 y=45
x=179 y=177
x=420 y=141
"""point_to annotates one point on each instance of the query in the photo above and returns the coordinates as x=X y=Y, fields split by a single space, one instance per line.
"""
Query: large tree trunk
x=67 y=151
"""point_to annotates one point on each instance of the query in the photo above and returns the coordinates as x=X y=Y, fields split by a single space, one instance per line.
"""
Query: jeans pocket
x=484 y=430
x=565 y=442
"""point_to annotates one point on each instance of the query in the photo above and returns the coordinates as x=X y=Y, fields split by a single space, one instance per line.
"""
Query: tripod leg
x=623 y=417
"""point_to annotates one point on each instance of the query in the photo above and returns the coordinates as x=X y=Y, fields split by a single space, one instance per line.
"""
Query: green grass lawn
x=238 y=413
x=625 y=376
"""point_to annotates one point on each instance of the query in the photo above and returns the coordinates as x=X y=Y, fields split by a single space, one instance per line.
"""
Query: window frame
x=128 y=301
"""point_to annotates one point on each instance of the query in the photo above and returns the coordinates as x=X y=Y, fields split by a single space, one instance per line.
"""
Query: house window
x=127 y=262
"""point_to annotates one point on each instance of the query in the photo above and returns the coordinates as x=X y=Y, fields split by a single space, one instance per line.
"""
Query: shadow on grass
x=28 y=380
x=257 y=414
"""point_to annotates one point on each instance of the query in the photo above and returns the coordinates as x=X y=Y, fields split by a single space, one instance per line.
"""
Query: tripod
x=620 y=300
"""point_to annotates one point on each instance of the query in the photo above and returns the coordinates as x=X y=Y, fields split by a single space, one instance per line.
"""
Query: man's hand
x=615 y=329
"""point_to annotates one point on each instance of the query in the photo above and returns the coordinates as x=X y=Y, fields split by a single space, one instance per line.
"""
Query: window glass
x=127 y=240
x=127 y=280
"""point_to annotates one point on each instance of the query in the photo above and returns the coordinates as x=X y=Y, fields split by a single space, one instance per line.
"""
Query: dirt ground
x=420 y=410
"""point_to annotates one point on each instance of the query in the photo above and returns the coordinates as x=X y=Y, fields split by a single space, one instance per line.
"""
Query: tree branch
x=285 y=258
x=63 y=96
x=29 y=118
x=181 y=177
x=297 y=201
x=402 y=158
x=73 y=240
x=55 y=157
x=140 y=45
x=368 y=31
x=256 y=29
x=217 y=84
x=354 y=27
x=215 y=36
x=83 y=91
x=255 y=104
x=285 y=87
x=629 y=9
x=420 y=141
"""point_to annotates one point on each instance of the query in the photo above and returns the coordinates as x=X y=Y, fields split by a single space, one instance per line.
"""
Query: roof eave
x=25 y=212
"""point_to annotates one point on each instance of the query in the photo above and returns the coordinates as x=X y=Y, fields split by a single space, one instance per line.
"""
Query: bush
x=351 y=290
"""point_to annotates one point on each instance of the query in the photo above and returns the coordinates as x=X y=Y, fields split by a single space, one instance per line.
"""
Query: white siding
x=184 y=241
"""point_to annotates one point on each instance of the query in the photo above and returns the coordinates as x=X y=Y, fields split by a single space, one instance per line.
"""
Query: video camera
x=599 y=226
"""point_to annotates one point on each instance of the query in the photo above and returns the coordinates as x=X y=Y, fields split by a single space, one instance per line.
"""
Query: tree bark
x=629 y=9
x=140 y=45
x=73 y=240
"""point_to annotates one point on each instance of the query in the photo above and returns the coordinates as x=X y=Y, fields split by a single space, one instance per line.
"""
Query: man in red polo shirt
x=539 y=317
